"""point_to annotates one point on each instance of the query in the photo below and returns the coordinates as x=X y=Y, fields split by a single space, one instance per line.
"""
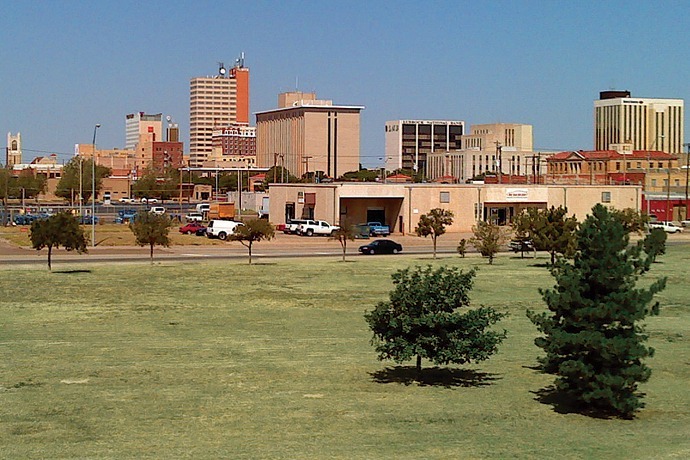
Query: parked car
x=221 y=228
x=160 y=210
x=87 y=220
x=381 y=247
x=193 y=227
x=668 y=227
x=520 y=245
x=125 y=199
x=685 y=223
x=149 y=200
x=292 y=226
x=378 y=229
x=194 y=217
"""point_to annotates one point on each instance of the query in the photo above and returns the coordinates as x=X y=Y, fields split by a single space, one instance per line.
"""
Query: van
x=203 y=207
x=159 y=210
x=221 y=228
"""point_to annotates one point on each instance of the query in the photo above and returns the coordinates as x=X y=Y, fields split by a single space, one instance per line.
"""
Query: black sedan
x=381 y=247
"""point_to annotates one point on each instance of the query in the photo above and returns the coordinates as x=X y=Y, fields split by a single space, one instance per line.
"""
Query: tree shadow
x=564 y=403
x=70 y=272
x=541 y=265
x=433 y=376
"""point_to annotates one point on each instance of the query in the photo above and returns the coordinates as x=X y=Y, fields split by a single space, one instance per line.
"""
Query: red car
x=193 y=227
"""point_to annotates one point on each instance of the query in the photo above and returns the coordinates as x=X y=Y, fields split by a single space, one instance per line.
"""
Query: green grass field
x=226 y=360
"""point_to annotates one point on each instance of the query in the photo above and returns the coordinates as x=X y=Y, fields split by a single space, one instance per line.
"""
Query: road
x=282 y=246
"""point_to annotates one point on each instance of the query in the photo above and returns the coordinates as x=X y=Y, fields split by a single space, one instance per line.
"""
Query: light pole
x=93 y=189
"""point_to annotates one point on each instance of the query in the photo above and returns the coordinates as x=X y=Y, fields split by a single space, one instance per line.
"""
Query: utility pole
x=306 y=160
x=687 y=175
x=668 y=191
x=499 y=149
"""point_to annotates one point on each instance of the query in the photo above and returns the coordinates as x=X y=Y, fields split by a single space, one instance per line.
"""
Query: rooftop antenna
x=296 y=83
x=221 y=69
x=239 y=62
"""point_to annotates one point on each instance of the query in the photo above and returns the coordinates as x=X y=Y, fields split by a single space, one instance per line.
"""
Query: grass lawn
x=110 y=235
x=226 y=360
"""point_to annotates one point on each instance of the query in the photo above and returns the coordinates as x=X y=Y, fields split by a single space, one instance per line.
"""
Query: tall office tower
x=647 y=124
x=409 y=141
x=140 y=123
x=216 y=101
x=13 y=153
x=309 y=135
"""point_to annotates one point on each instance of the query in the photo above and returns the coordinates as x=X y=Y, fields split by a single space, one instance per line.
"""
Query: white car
x=149 y=200
x=668 y=227
x=160 y=210
x=125 y=199
x=194 y=217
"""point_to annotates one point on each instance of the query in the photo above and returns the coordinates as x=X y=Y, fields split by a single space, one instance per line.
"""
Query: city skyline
x=69 y=66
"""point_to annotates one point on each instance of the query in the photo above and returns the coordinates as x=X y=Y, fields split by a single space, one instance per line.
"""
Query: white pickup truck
x=316 y=227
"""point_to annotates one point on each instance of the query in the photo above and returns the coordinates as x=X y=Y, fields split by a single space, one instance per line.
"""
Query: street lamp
x=93 y=189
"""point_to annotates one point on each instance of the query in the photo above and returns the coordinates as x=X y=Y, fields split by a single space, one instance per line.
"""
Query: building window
x=653 y=182
x=605 y=197
x=445 y=197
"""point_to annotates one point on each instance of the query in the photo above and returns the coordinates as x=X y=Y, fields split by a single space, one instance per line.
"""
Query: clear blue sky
x=67 y=65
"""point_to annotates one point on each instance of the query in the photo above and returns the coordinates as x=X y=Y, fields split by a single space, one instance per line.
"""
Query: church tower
x=14 y=149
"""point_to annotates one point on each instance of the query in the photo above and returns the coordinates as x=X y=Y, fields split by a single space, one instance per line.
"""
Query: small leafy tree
x=462 y=247
x=593 y=341
x=633 y=221
x=434 y=224
x=30 y=185
x=549 y=229
x=7 y=189
x=346 y=232
x=654 y=244
x=61 y=229
x=252 y=231
x=422 y=319
x=488 y=239
x=151 y=229
x=69 y=183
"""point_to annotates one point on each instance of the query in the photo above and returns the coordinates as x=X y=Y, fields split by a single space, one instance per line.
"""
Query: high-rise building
x=647 y=124
x=13 y=153
x=216 y=101
x=140 y=123
x=305 y=134
x=408 y=142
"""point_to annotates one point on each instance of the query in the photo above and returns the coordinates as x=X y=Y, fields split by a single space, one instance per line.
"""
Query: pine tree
x=593 y=339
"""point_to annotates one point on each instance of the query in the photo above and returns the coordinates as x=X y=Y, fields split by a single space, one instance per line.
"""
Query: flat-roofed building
x=139 y=123
x=309 y=135
x=502 y=149
x=409 y=142
x=646 y=123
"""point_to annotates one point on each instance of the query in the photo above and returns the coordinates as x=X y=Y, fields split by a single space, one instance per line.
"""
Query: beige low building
x=401 y=205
